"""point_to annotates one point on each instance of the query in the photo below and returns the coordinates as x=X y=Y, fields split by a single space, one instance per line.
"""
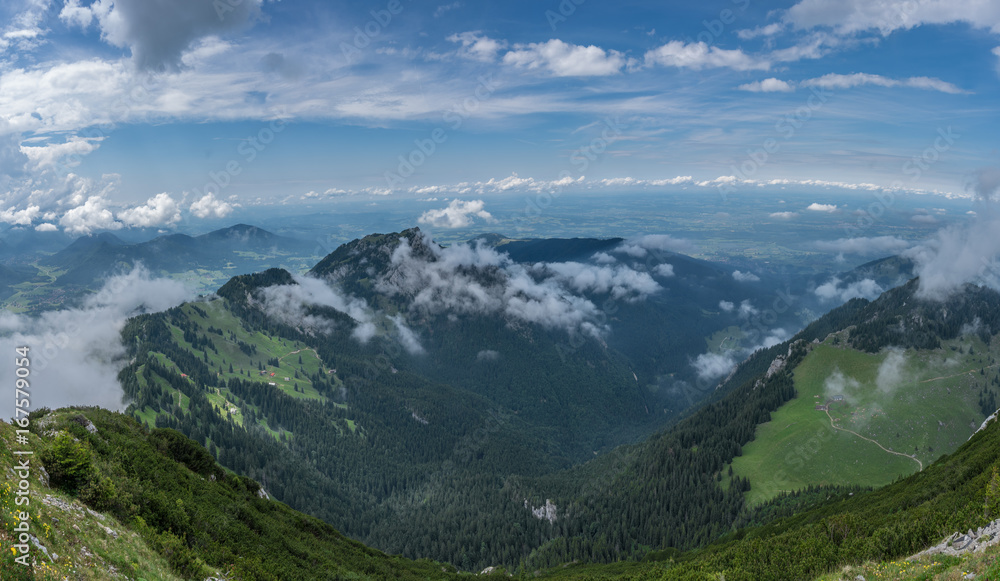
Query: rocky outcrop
x=969 y=542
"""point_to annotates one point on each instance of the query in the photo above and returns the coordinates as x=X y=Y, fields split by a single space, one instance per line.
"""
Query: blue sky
x=131 y=113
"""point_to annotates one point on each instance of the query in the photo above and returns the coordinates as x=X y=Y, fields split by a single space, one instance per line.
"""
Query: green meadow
x=896 y=412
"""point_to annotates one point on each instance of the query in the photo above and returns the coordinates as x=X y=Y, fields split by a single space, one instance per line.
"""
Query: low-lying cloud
x=478 y=280
x=837 y=291
x=76 y=353
x=289 y=303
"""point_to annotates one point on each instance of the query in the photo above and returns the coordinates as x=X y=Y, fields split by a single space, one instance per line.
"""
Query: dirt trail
x=834 y=426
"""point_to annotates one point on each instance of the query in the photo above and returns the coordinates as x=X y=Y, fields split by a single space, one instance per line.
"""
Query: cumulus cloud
x=664 y=270
x=727 y=306
x=288 y=304
x=562 y=59
x=160 y=210
x=745 y=276
x=865 y=246
x=784 y=215
x=458 y=214
x=747 y=310
x=712 y=366
x=851 y=16
x=816 y=207
x=656 y=243
x=20 y=217
x=76 y=353
x=603 y=258
x=966 y=253
x=621 y=282
x=158 y=33
x=89 y=217
x=771 y=85
x=207 y=206
x=477 y=46
x=467 y=280
x=699 y=55
x=836 y=290
x=487 y=355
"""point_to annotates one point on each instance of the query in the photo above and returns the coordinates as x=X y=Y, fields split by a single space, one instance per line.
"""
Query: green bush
x=69 y=463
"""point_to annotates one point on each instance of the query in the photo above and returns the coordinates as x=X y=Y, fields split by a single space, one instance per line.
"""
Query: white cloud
x=50 y=155
x=160 y=210
x=865 y=246
x=621 y=282
x=699 y=55
x=288 y=303
x=46 y=227
x=784 y=215
x=92 y=215
x=465 y=280
x=771 y=85
x=478 y=46
x=836 y=290
x=850 y=16
x=566 y=60
x=710 y=366
x=487 y=355
x=892 y=372
x=767 y=30
x=75 y=15
x=20 y=217
x=817 y=207
x=837 y=81
x=406 y=336
x=656 y=243
x=458 y=214
x=76 y=353
x=603 y=258
x=745 y=276
x=664 y=270
x=208 y=206
x=726 y=306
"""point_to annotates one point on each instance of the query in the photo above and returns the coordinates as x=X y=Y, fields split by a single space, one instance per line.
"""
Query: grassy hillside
x=882 y=416
x=865 y=533
x=154 y=505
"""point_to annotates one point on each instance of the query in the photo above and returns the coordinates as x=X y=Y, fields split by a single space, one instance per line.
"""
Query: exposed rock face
x=545 y=512
x=969 y=542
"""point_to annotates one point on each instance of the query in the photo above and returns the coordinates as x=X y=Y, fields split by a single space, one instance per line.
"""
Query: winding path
x=834 y=426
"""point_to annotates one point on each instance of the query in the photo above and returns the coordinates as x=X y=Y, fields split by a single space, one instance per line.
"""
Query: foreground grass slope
x=174 y=513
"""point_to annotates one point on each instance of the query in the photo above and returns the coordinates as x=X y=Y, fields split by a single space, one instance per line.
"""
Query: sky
x=119 y=114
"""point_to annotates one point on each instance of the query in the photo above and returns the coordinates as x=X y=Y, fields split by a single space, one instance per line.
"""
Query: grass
x=928 y=410
x=985 y=566
x=296 y=362
x=82 y=544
